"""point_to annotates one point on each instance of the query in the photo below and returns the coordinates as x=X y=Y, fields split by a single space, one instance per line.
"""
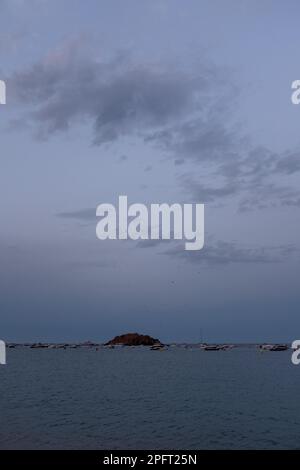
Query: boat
x=213 y=347
x=265 y=347
x=227 y=347
x=279 y=347
x=273 y=347
x=157 y=347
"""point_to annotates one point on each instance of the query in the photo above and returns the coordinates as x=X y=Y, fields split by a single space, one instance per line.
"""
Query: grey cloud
x=225 y=253
x=185 y=115
x=82 y=215
x=117 y=97
x=222 y=253
x=255 y=177
x=289 y=165
x=148 y=243
x=209 y=193
x=199 y=139
x=179 y=161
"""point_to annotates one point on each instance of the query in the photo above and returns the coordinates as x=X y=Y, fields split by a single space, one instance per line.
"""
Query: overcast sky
x=164 y=102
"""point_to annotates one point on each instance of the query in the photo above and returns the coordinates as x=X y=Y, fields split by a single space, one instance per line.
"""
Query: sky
x=163 y=103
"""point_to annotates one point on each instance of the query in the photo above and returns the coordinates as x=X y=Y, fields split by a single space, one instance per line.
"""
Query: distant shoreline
x=93 y=345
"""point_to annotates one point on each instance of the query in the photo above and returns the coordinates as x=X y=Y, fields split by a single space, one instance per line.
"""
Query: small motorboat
x=279 y=347
x=273 y=347
x=227 y=347
x=157 y=347
x=213 y=347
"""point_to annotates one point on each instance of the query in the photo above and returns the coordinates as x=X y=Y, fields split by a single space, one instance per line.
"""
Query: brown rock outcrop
x=133 y=339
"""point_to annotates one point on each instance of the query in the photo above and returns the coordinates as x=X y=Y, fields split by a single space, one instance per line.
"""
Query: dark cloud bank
x=187 y=115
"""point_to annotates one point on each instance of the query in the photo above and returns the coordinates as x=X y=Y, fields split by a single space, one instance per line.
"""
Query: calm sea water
x=131 y=399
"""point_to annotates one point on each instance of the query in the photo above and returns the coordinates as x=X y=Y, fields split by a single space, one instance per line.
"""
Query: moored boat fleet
x=89 y=345
x=273 y=347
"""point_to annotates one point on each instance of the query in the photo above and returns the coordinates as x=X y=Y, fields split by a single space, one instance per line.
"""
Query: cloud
x=117 y=97
x=225 y=253
x=150 y=243
x=218 y=252
x=256 y=178
x=209 y=193
x=199 y=139
x=289 y=165
x=187 y=115
x=84 y=215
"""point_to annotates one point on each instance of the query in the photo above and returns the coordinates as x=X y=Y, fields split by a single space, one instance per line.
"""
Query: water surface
x=137 y=398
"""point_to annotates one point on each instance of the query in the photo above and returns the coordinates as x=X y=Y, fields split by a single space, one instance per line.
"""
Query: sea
x=135 y=398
